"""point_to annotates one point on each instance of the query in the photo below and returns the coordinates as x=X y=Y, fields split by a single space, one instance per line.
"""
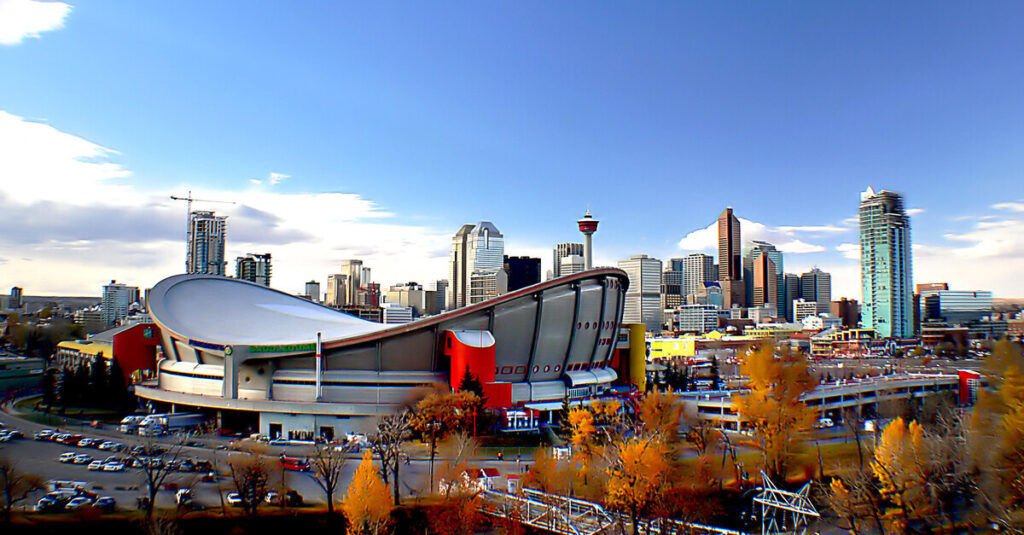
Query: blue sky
x=397 y=122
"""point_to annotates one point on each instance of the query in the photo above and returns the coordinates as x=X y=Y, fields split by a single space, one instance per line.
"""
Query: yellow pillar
x=638 y=355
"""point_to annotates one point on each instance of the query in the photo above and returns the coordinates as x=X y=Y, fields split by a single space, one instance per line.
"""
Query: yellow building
x=76 y=353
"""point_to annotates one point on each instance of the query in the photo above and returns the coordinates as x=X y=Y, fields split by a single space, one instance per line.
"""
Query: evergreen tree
x=98 y=393
x=471 y=383
x=50 y=385
x=81 y=374
x=67 y=387
x=117 y=388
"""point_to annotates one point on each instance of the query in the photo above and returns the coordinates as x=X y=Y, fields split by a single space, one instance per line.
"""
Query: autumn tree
x=326 y=465
x=699 y=432
x=441 y=413
x=547 y=474
x=153 y=474
x=637 y=477
x=16 y=485
x=367 y=504
x=773 y=405
x=996 y=434
x=250 y=477
x=900 y=453
x=388 y=444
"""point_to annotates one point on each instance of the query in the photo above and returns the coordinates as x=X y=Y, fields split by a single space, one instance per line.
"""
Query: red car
x=294 y=464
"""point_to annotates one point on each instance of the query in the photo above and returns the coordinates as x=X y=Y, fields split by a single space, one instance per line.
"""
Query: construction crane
x=188 y=223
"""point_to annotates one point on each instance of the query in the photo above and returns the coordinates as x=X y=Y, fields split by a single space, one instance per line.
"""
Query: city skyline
x=87 y=174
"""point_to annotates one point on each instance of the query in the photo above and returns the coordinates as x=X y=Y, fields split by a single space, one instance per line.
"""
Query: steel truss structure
x=783 y=511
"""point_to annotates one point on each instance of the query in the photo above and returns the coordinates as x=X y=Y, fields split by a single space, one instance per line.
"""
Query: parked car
x=233 y=499
x=67 y=457
x=96 y=465
x=106 y=503
x=47 y=504
x=78 y=503
x=45 y=434
x=110 y=445
x=82 y=458
x=824 y=423
x=86 y=442
x=113 y=466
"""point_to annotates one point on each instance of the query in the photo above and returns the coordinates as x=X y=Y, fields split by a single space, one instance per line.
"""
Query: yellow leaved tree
x=637 y=477
x=774 y=407
x=367 y=504
x=899 y=456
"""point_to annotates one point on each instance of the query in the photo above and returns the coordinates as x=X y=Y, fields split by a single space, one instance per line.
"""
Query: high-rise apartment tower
x=885 y=265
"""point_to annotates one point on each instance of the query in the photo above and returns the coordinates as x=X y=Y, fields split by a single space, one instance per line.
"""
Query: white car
x=824 y=423
x=96 y=465
x=113 y=466
x=82 y=458
x=78 y=503
x=233 y=499
x=67 y=457
x=110 y=445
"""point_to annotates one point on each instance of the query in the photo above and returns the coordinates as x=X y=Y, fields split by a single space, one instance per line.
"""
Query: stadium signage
x=288 y=348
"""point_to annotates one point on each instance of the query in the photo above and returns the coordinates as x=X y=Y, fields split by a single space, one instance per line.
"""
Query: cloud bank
x=26 y=19
x=76 y=218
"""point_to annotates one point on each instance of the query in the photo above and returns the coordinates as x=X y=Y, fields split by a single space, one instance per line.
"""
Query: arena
x=247 y=354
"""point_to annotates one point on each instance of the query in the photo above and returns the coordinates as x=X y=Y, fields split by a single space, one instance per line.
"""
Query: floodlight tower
x=588 y=226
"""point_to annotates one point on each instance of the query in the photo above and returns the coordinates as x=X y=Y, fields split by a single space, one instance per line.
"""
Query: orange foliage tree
x=773 y=405
x=441 y=413
x=367 y=504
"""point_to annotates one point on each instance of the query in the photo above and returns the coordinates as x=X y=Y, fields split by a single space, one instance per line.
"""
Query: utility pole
x=188 y=223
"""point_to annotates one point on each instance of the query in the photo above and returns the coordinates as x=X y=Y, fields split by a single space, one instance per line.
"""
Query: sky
x=375 y=130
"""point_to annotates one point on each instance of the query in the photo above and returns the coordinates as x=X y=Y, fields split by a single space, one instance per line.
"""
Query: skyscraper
x=765 y=282
x=643 y=298
x=441 y=289
x=207 y=233
x=476 y=251
x=672 y=284
x=253 y=268
x=561 y=251
x=313 y=291
x=353 y=271
x=791 y=289
x=885 y=265
x=571 y=265
x=337 y=290
x=698 y=268
x=522 y=271
x=16 y=298
x=757 y=249
x=816 y=285
x=116 y=299
x=730 y=268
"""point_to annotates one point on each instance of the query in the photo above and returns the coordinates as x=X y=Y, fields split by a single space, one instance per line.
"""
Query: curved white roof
x=232 y=311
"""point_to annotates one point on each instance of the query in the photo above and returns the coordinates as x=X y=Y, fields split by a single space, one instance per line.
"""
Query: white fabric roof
x=231 y=311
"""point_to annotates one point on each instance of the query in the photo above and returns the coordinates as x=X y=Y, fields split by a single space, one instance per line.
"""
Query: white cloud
x=915 y=211
x=849 y=250
x=74 y=218
x=1010 y=206
x=784 y=238
x=815 y=229
x=21 y=19
x=38 y=161
x=276 y=178
x=255 y=181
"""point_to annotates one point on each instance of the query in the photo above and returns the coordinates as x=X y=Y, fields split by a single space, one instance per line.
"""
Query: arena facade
x=247 y=354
